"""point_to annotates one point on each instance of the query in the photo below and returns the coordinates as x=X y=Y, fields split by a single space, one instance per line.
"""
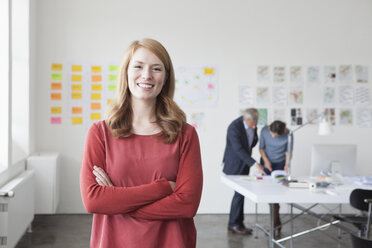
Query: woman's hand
x=172 y=184
x=101 y=177
x=268 y=165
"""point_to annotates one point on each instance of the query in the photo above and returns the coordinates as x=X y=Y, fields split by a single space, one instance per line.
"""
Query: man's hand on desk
x=260 y=168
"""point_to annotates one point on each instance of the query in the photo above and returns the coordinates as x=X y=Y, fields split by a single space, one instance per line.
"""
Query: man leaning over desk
x=241 y=138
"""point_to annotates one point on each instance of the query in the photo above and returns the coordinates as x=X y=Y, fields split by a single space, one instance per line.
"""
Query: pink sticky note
x=210 y=86
x=55 y=120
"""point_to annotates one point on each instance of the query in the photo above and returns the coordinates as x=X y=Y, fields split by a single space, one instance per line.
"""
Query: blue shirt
x=275 y=148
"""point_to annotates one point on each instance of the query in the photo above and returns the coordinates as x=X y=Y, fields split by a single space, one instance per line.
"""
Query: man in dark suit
x=241 y=138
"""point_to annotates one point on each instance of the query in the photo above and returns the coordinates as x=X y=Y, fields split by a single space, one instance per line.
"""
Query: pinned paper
x=55 y=120
x=75 y=87
x=56 y=110
x=77 y=110
x=95 y=96
x=56 y=86
x=96 y=69
x=112 y=87
x=56 y=67
x=208 y=71
x=112 y=78
x=76 y=78
x=95 y=116
x=55 y=96
x=96 y=78
x=76 y=68
x=96 y=87
x=113 y=68
x=77 y=120
x=95 y=106
x=57 y=76
x=76 y=95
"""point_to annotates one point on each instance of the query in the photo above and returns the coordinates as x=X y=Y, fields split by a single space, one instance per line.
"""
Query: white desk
x=268 y=190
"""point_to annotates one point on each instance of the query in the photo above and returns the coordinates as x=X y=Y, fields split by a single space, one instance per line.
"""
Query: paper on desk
x=362 y=180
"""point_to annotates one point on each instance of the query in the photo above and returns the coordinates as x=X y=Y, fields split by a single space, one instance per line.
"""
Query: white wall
x=235 y=35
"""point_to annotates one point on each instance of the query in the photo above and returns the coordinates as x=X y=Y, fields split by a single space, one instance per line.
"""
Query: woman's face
x=146 y=75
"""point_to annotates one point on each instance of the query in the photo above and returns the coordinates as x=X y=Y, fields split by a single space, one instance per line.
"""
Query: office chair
x=360 y=199
x=359 y=242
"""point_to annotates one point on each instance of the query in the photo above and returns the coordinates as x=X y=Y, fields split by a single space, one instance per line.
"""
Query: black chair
x=359 y=242
x=360 y=199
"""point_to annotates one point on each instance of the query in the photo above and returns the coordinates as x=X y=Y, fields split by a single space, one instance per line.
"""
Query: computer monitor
x=328 y=158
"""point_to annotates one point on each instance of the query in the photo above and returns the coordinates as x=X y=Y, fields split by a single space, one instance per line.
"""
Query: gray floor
x=72 y=231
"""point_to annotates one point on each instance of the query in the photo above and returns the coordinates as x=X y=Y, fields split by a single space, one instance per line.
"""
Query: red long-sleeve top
x=141 y=210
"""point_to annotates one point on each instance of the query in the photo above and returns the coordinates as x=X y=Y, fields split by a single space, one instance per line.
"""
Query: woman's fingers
x=101 y=177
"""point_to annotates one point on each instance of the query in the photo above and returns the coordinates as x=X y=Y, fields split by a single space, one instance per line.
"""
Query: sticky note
x=55 y=96
x=113 y=68
x=96 y=78
x=96 y=68
x=112 y=87
x=56 y=67
x=76 y=95
x=95 y=116
x=96 y=87
x=208 y=71
x=56 y=86
x=112 y=78
x=55 y=120
x=95 y=105
x=76 y=68
x=195 y=86
x=56 y=110
x=95 y=96
x=75 y=87
x=210 y=86
x=76 y=110
x=76 y=78
x=77 y=120
x=57 y=76
x=109 y=101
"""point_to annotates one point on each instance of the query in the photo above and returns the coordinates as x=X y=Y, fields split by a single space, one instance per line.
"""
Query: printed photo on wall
x=262 y=117
x=313 y=74
x=263 y=74
x=296 y=116
x=346 y=117
x=329 y=74
x=361 y=74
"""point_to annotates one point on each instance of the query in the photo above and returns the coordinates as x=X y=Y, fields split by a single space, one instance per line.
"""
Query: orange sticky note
x=96 y=78
x=76 y=68
x=96 y=87
x=96 y=68
x=56 y=86
x=56 y=110
x=208 y=71
x=76 y=95
x=75 y=87
x=95 y=106
x=76 y=78
x=95 y=116
x=56 y=67
x=55 y=96
x=95 y=96
x=77 y=120
x=77 y=110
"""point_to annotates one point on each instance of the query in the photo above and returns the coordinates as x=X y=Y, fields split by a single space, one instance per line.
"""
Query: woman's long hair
x=169 y=117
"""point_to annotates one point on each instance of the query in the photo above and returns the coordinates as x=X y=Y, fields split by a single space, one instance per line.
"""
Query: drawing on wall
x=364 y=117
x=346 y=95
x=196 y=119
x=56 y=94
x=329 y=95
x=329 y=74
x=263 y=74
x=263 y=95
x=296 y=95
x=196 y=86
x=311 y=116
x=279 y=114
x=331 y=113
x=296 y=116
x=296 y=74
x=362 y=95
x=262 y=117
x=345 y=74
x=346 y=117
x=361 y=74
x=313 y=74
x=279 y=74
x=246 y=96
x=279 y=95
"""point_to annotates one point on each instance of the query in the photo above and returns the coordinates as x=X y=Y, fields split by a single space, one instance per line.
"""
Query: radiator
x=16 y=211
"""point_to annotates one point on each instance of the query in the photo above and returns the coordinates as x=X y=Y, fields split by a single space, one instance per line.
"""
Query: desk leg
x=339 y=229
x=255 y=226
x=271 y=225
x=291 y=241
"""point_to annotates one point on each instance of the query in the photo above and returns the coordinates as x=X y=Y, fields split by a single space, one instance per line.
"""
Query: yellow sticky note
x=76 y=78
x=95 y=116
x=208 y=71
x=113 y=68
x=76 y=68
x=56 y=110
x=56 y=86
x=55 y=96
x=112 y=78
x=96 y=87
x=56 y=67
x=57 y=76
x=95 y=96
x=77 y=110
x=77 y=120
x=75 y=87
x=95 y=106
x=109 y=101
x=96 y=78
x=96 y=68
x=112 y=87
x=76 y=95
